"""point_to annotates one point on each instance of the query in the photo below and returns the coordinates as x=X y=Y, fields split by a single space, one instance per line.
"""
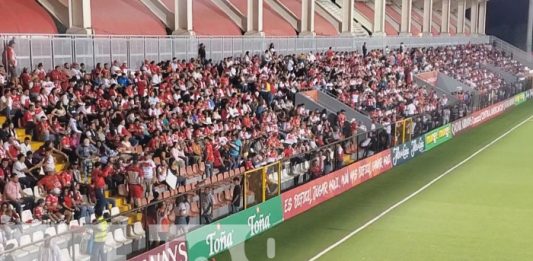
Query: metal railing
x=52 y=50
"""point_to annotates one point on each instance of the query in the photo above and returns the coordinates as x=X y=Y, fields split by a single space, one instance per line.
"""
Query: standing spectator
x=365 y=50
x=87 y=153
x=49 y=251
x=209 y=158
x=206 y=203
x=236 y=198
x=201 y=53
x=148 y=167
x=99 y=181
x=182 y=211
x=99 y=237
x=9 y=59
x=135 y=179
x=163 y=222
x=315 y=169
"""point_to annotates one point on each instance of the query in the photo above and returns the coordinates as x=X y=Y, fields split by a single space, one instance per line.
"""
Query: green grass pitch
x=482 y=210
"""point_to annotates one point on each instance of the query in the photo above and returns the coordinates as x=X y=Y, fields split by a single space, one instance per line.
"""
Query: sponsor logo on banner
x=438 y=136
x=214 y=238
x=481 y=116
x=407 y=151
x=174 y=250
x=300 y=199
x=520 y=98
x=529 y=94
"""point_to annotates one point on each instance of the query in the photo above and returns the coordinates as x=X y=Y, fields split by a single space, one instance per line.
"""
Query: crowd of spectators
x=128 y=129
x=114 y=126
x=380 y=83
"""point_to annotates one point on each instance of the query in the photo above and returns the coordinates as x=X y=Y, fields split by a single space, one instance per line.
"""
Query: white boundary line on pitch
x=372 y=221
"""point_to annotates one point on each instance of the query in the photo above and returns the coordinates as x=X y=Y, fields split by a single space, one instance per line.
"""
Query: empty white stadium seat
x=65 y=255
x=37 y=236
x=73 y=223
x=115 y=211
x=62 y=228
x=110 y=241
x=78 y=256
x=50 y=231
x=120 y=237
x=138 y=229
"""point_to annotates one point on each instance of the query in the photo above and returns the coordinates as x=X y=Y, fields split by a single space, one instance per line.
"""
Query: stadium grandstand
x=178 y=129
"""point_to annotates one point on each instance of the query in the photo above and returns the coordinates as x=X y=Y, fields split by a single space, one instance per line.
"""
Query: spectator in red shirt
x=99 y=182
x=49 y=182
x=135 y=180
x=52 y=205
x=39 y=212
x=209 y=158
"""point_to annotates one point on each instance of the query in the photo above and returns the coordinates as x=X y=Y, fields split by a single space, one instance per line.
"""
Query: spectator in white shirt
x=26 y=146
x=156 y=79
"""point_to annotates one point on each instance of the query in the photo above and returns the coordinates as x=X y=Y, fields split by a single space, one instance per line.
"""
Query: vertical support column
x=379 y=18
x=428 y=13
x=461 y=10
x=183 y=17
x=474 y=7
x=445 y=23
x=347 y=17
x=405 y=25
x=254 y=18
x=307 y=21
x=79 y=17
x=482 y=17
x=529 y=39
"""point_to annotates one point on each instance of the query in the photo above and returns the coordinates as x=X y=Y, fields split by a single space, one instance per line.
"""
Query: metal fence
x=54 y=50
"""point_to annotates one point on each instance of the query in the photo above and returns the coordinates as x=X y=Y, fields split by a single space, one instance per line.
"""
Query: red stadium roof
x=322 y=26
x=273 y=23
x=25 y=16
x=124 y=17
x=218 y=23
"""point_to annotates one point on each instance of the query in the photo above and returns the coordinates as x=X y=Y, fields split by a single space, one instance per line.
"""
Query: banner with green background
x=221 y=235
x=438 y=136
x=520 y=98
